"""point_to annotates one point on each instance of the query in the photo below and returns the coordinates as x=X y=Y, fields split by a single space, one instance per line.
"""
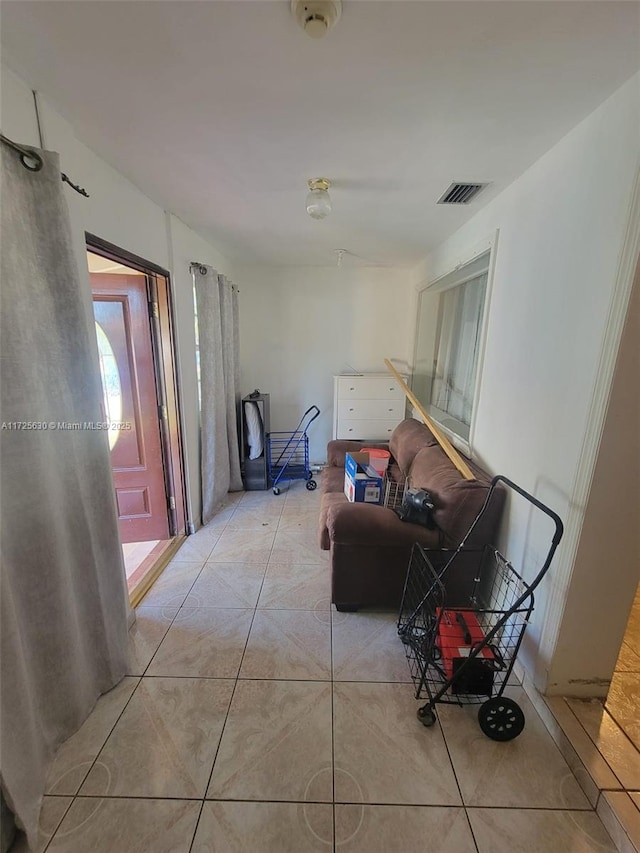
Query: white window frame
x=470 y=265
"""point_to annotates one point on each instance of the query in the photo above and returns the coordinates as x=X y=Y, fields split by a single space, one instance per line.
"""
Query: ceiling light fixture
x=318 y=200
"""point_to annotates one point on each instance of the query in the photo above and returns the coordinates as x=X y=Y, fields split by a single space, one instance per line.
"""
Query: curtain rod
x=202 y=269
x=32 y=161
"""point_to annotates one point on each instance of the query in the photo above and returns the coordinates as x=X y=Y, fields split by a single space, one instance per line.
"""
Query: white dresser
x=367 y=407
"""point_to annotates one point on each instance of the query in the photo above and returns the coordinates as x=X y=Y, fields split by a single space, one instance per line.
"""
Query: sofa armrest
x=338 y=448
x=372 y=525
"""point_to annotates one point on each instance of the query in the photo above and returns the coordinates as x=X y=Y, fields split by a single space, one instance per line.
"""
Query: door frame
x=164 y=346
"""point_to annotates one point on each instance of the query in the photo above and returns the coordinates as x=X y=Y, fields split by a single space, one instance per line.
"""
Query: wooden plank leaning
x=443 y=441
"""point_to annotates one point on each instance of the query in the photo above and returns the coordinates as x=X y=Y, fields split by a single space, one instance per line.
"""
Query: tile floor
x=606 y=737
x=256 y=718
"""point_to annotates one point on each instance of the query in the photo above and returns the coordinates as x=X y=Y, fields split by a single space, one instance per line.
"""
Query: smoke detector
x=316 y=17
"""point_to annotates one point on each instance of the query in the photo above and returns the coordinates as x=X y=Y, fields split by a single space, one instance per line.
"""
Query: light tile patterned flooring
x=607 y=737
x=256 y=718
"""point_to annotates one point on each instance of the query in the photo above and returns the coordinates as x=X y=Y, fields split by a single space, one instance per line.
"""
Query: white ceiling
x=220 y=111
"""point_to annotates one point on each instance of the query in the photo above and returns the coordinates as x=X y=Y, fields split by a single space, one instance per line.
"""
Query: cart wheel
x=501 y=718
x=427 y=716
x=309 y=475
x=276 y=490
x=311 y=485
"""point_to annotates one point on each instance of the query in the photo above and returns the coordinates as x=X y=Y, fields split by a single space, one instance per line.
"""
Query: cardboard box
x=361 y=480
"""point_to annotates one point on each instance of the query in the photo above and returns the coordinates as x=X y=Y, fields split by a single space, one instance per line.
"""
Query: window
x=111 y=387
x=448 y=343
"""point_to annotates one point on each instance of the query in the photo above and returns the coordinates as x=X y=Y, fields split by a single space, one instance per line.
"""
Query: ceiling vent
x=460 y=193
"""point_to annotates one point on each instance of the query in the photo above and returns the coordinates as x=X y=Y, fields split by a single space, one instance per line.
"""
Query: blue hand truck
x=288 y=453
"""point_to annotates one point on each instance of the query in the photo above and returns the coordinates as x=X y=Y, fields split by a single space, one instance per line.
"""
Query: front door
x=121 y=311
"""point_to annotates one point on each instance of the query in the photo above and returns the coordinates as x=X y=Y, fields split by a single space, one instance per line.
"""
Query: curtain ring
x=32 y=162
x=29 y=159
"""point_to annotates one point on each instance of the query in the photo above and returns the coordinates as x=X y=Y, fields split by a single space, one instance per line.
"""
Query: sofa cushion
x=332 y=480
x=407 y=439
x=374 y=526
x=456 y=501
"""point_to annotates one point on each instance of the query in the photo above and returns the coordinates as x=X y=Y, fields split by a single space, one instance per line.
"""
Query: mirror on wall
x=448 y=343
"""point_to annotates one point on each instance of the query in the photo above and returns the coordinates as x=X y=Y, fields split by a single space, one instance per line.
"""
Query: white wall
x=561 y=228
x=607 y=566
x=118 y=212
x=301 y=325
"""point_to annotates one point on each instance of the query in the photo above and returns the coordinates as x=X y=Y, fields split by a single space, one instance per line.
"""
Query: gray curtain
x=63 y=594
x=217 y=306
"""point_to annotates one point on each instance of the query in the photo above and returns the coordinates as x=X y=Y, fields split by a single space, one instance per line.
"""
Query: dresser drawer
x=367 y=430
x=371 y=409
x=368 y=387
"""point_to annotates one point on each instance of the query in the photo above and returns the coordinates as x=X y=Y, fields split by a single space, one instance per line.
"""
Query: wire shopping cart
x=288 y=453
x=461 y=649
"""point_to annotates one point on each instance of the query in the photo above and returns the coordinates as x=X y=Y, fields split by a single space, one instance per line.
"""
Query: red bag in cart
x=458 y=633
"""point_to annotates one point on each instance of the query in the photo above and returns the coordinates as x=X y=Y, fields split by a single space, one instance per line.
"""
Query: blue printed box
x=361 y=481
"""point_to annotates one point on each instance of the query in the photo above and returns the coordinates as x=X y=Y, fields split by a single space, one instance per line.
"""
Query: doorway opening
x=622 y=700
x=134 y=330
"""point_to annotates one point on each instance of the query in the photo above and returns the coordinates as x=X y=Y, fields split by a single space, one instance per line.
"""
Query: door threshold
x=151 y=568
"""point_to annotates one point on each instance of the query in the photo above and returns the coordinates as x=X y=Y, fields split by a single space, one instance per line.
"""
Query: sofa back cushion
x=457 y=501
x=407 y=439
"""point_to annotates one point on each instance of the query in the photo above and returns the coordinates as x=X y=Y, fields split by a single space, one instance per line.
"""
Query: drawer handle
x=351 y=409
x=352 y=389
x=350 y=429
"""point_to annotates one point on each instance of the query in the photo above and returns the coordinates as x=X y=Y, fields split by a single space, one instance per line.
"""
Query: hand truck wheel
x=501 y=718
x=427 y=716
x=311 y=485
x=276 y=490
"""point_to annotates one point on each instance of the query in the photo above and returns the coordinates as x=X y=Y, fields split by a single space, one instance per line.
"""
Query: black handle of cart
x=463 y=651
x=557 y=536
x=316 y=412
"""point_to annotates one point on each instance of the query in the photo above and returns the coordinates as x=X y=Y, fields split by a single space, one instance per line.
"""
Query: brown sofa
x=370 y=546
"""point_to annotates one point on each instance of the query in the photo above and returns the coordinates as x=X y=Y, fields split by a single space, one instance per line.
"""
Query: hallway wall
x=301 y=325
x=608 y=558
x=561 y=231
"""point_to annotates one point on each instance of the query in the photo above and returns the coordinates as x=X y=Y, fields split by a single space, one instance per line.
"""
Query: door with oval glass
x=121 y=311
